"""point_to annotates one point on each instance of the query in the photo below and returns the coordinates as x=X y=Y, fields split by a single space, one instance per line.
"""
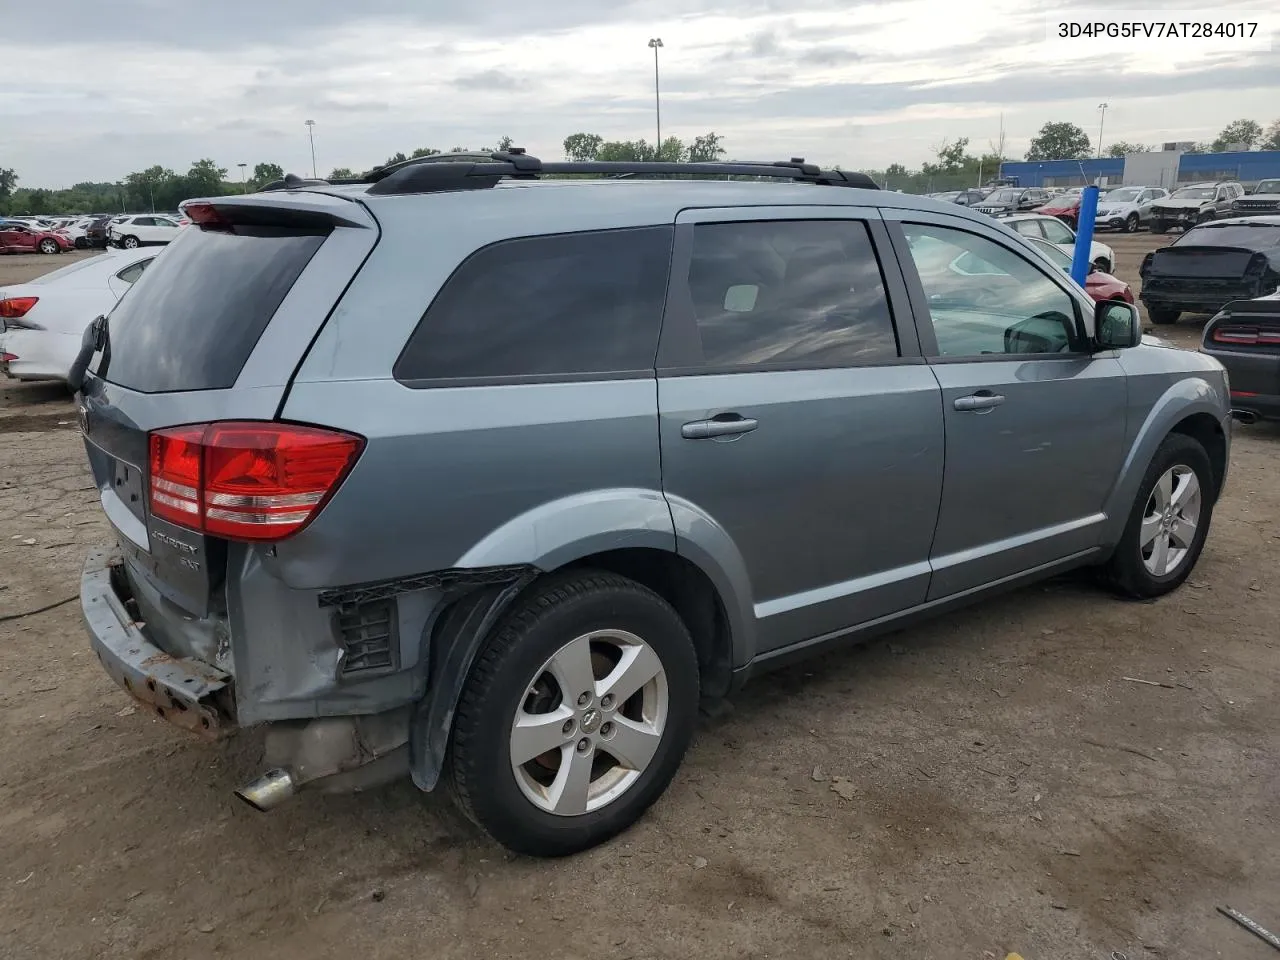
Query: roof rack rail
x=478 y=171
x=470 y=171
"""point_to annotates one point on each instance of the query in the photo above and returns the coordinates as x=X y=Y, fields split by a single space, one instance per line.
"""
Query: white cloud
x=861 y=83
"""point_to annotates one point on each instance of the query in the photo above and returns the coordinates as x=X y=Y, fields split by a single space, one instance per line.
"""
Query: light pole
x=311 y=135
x=656 y=44
x=244 y=184
x=1102 y=109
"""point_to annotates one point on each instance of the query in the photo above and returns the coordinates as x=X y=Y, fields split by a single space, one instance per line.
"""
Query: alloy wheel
x=590 y=722
x=1170 y=521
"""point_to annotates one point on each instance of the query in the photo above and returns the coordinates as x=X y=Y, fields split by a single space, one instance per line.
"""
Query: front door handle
x=724 y=425
x=979 y=401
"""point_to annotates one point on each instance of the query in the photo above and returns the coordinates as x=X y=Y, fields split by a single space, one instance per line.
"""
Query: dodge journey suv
x=493 y=478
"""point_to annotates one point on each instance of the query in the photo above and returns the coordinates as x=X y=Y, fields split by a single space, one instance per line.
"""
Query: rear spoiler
x=226 y=212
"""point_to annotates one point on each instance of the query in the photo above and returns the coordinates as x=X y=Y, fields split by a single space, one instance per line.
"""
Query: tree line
x=954 y=167
x=159 y=188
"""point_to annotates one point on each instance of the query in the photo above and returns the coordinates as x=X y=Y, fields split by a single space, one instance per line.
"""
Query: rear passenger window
x=564 y=305
x=797 y=293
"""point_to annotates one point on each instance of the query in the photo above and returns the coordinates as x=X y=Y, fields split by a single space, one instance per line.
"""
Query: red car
x=1098 y=285
x=19 y=237
x=1065 y=207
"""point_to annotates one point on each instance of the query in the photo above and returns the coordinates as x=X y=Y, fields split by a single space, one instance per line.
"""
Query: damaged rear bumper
x=188 y=693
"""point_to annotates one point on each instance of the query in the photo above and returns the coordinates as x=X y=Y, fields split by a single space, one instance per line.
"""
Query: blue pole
x=1084 y=234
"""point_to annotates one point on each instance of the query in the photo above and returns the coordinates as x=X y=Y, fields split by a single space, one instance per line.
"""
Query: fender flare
x=1183 y=399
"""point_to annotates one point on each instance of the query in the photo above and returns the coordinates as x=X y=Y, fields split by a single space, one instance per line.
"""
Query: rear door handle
x=979 y=401
x=725 y=425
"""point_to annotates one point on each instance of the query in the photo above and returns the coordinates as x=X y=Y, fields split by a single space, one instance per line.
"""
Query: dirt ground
x=984 y=784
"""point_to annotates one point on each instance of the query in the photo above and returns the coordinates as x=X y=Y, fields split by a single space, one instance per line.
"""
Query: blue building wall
x=1247 y=167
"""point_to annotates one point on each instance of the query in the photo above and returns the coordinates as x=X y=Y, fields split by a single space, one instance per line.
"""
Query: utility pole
x=656 y=44
x=1102 y=109
x=311 y=135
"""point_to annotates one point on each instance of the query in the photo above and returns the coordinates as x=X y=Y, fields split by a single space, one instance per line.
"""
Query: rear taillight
x=1246 y=335
x=206 y=215
x=15 y=308
x=247 y=480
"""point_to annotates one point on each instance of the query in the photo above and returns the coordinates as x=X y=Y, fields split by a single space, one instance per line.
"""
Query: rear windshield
x=193 y=318
x=1251 y=236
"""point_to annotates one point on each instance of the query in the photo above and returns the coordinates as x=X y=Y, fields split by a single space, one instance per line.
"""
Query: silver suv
x=488 y=474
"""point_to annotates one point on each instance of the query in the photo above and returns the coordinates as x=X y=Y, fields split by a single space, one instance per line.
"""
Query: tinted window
x=192 y=321
x=797 y=293
x=985 y=299
x=577 y=303
x=1251 y=236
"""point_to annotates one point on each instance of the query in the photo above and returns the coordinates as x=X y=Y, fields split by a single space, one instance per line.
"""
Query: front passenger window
x=1009 y=307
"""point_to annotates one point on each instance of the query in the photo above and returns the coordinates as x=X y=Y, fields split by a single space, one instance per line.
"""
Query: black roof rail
x=470 y=171
x=477 y=171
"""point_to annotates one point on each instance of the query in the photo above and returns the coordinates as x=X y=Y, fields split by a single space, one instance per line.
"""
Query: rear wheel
x=1163 y=315
x=1131 y=223
x=1168 y=522
x=1103 y=264
x=129 y=243
x=575 y=716
x=50 y=246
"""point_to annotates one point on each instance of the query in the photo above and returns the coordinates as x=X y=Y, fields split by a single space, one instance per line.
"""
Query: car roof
x=1270 y=220
x=542 y=206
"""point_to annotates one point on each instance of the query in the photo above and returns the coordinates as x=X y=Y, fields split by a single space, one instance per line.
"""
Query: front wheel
x=1103 y=264
x=1168 y=523
x=50 y=246
x=1131 y=223
x=575 y=716
x=129 y=243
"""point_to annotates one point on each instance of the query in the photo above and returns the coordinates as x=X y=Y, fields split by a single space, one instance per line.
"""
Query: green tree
x=672 y=150
x=706 y=149
x=897 y=171
x=1271 y=141
x=583 y=146
x=394 y=158
x=422 y=152
x=1247 y=132
x=342 y=173
x=204 y=179
x=954 y=157
x=8 y=181
x=1059 y=141
x=149 y=189
x=504 y=144
x=625 y=150
x=267 y=173
x=1122 y=148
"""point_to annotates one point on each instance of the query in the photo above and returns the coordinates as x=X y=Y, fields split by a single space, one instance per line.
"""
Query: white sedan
x=42 y=321
x=138 y=230
x=1060 y=235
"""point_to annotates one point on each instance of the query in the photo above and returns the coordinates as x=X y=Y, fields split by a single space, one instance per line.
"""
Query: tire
x=1180 y=467
x=129 y=243
x=1131 y=223
x=517 y=673
x=1159 y=226
x=1163 y=315
x=1103 y=264
x=50 y=247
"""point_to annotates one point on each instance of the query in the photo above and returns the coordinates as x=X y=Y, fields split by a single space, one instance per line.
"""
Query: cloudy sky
x=110 y=87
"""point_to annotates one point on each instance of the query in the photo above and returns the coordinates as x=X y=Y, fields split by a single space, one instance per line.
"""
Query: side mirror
x=1116 y=325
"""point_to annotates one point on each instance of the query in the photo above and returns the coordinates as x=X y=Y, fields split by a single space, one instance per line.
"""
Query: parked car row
x=55 y=234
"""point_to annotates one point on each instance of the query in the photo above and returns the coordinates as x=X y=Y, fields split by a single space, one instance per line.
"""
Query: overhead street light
x=311 y=135
x=656 y=44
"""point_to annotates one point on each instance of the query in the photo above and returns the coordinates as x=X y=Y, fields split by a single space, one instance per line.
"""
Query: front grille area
x=1257 y=204
x=369 y=634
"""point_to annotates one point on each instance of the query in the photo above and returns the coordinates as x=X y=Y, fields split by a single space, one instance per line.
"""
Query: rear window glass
x=566 y=304
x=1250 y=236
x=193 y=318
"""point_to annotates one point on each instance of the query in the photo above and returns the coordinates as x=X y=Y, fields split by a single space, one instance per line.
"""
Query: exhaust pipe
x=269 y=791
x=1244 y=416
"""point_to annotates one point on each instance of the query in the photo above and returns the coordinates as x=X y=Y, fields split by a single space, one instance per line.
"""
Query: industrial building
x=1163 y=168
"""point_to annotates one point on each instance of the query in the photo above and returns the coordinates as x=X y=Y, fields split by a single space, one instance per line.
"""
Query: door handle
x=725 y=425
x=979 y=401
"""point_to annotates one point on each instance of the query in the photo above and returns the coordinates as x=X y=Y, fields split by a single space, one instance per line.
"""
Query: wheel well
x=1207 y=431
x=690 y=591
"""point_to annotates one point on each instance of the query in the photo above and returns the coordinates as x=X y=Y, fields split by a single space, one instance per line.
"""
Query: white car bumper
x=40 y=354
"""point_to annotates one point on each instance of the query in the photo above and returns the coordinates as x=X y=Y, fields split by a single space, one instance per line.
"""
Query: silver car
x=492 y=479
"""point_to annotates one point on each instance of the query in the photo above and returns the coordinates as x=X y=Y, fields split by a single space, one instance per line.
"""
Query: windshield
x=1251 y=236
x=1124 y=195
x=1193 y=193
x=1003 y=196
x=1267 y=186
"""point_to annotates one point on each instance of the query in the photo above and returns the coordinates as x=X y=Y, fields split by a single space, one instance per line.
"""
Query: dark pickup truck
x=1211 y=265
